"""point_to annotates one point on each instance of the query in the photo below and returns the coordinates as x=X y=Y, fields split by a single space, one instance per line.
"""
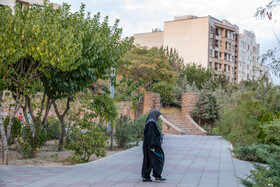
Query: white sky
x=140 y=16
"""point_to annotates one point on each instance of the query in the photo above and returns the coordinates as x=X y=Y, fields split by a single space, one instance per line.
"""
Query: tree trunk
x=60 y=142
x=5 y=147
x=62 y=123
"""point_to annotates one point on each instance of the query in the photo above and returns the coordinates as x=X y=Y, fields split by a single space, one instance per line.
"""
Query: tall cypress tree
x=206 y=107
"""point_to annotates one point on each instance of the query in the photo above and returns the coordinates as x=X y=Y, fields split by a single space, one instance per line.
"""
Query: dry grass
x=170 y=110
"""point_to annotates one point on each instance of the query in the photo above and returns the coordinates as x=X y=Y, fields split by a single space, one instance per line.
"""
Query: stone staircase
x=184 y=124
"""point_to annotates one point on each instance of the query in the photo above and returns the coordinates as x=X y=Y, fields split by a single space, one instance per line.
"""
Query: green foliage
x=206 y=107
x=166 y=92
x=256 y=152
x=196 y=74
x=272 y=132
x=148 y=66
x=138 y=126
x=181 y=87
x=101 y=48
x=53 y=129
x=209 y=129
x=240 y=119
x=264 y=175
x=15 y=130
x=88 y=139
x=129 y=90
x=123 y=134
x=29 y=144
x=128 y=131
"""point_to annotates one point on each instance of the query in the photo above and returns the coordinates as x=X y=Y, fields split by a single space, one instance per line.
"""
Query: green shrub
x=53 y=129
x=29 y=144
x=123 y=134
x=210 y=130
x=88 y=139
x=264 y=175
x=166 y=92
x=239 y=121
x=272 y=132
x=15 y=130
x=257 y=152
x=138 y=128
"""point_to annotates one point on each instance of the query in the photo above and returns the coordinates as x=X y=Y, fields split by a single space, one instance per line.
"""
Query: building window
x=211 y=41
x=210 y=52
x=211 y=30
x=228 y=34
x=220 y=54
x=217 y=32
x=210 y=65
x=228 y=46
x=216 y=66
x=232 y=48
x=220 y=66
x=220 y=43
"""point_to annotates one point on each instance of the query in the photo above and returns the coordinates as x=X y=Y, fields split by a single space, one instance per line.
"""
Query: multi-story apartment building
x=12 y=3
x=203 y=40
x=249 y=66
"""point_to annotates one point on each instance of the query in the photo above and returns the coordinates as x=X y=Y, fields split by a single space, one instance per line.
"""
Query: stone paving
x=191 y=161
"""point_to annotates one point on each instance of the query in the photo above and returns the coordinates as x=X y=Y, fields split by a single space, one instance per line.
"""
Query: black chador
x=152 y=150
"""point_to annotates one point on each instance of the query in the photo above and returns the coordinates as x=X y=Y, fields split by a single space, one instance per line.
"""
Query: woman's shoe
x=159 y=179
x=147 y=180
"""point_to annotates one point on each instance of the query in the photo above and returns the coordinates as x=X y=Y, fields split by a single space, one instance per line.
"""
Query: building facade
x=249 y=65
x=202 y=40
x=207 y=41
x=12 y=3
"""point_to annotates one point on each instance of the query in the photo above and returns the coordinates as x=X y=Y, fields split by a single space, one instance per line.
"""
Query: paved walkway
x=190 y=161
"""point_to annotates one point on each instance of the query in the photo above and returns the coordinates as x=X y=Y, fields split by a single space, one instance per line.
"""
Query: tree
x=271 y=53
x=148 y=66
x=206 y=107
x=196 y=74
x=101 y=49
x=32 y=41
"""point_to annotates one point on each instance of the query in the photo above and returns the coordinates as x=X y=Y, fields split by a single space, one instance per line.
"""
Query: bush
x=264 y=175
x=138 y=128
x=15 y=130
x=240 y=120
x=53 y=129
x=123 y=134
x=30 y=144
x=131 y=131
x=88 y=139
x=256 y=152
x=272 y=132
x=166 y=92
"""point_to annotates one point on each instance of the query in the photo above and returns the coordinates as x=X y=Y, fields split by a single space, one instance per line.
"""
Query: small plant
x=29 y=145
x=138 y=128
x=123 y=133
x=52 y=129
x=16 y=129
x=264 y=175
x=256 y=152
x=88 y=139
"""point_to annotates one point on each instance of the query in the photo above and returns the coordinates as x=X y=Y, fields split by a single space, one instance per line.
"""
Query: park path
x=190 y=161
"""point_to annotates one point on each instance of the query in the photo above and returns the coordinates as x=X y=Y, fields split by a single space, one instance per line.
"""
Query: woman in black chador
x=153 y=153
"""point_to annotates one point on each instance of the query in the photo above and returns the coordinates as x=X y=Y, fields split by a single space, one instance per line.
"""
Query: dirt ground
x=48 y=156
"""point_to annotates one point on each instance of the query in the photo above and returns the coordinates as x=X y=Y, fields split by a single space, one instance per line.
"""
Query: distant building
x=12 y=3
x=249 y=64
x=202 y=40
